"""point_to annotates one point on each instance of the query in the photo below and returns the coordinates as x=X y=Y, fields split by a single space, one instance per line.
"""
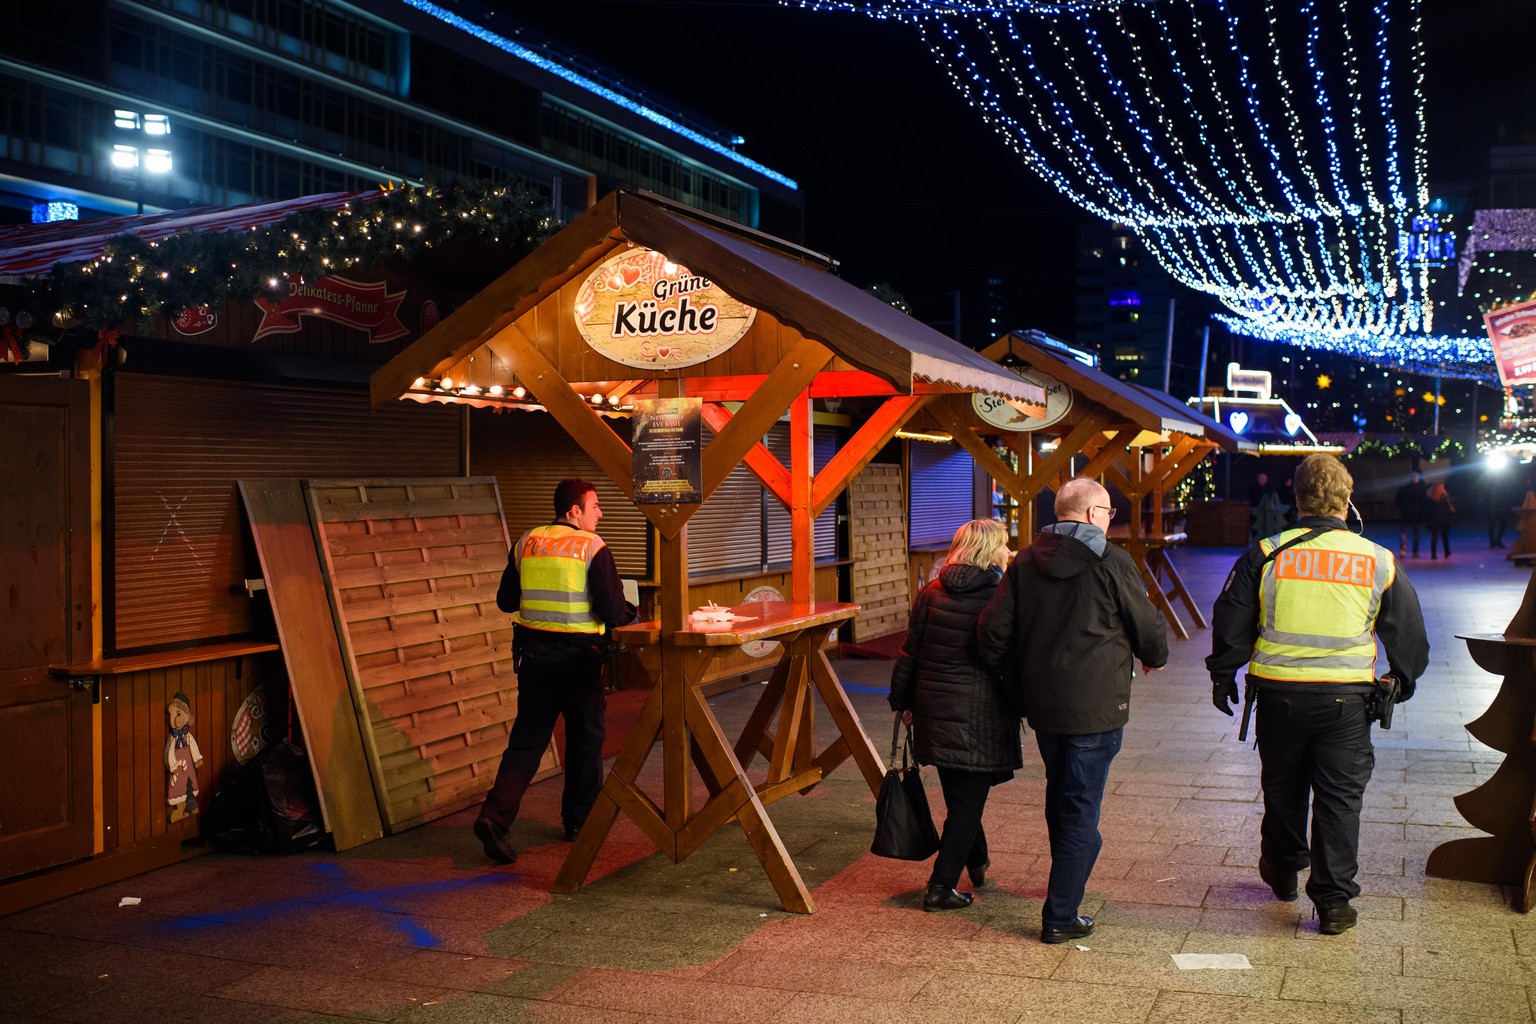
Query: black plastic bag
x=904 y=827
x=269 y=806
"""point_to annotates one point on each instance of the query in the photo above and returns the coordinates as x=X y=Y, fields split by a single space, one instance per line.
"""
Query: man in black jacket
x=1064 y=630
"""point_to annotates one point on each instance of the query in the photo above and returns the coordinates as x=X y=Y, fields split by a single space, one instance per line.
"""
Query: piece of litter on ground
x=1170 y=878
x=128 y=901
x=762 y=915
x=1211 y=962
x=1082 y=947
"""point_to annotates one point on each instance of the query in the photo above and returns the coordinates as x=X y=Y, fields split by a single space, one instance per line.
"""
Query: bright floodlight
x=126 y=157
x=125 y=119
x=1497 y=460
x=157 y=161
x=157 y=124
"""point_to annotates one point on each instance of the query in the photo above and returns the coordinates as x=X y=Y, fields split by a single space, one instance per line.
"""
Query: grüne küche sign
x=641 y=309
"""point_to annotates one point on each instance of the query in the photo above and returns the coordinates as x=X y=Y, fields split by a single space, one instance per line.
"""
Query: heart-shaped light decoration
x=1238 y=421
x=1292 y=423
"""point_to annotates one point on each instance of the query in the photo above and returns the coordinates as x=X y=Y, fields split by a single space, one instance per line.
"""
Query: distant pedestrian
x=1498 y=489
x=1412 y=504
x=1439 y=514
x=1065 y=630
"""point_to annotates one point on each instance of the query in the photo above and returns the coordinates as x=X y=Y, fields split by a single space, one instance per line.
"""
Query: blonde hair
x=1323 y=486
x=976 y=543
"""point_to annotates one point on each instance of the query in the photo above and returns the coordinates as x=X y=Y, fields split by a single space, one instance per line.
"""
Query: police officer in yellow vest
x=1304 y=609
x=564 y=591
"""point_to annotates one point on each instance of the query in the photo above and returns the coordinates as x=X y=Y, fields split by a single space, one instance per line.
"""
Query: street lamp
x=153 y=157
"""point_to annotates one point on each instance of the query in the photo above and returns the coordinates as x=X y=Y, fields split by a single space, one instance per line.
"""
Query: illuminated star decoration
x=1272 y=156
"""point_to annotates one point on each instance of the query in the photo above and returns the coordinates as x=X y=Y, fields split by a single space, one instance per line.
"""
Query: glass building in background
x=117 y=106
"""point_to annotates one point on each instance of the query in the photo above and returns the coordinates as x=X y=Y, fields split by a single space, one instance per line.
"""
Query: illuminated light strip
x=561 y=71
x=1307 y=248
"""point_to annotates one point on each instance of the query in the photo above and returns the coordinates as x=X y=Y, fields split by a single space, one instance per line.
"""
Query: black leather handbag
x=904 y=827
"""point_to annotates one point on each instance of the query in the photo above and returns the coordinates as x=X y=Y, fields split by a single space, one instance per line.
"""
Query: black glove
x=1224 y=694
x=1405 y=688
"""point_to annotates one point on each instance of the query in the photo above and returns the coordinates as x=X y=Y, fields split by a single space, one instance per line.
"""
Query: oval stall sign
x=641 y=309
x=1006 y=415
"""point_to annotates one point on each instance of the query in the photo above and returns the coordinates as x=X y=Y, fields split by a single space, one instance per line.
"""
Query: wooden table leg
x=738 y=798
x=851 y=737
x=1177 y=588
x=1155 y=592
x=621 y=778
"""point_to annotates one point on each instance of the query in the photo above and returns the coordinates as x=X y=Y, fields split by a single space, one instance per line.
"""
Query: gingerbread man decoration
x=182 y=759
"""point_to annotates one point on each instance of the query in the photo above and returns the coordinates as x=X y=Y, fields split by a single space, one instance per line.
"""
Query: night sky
x=903 y=182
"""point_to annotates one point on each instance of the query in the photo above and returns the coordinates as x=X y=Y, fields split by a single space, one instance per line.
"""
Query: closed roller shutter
x=726 y=533
x=529 y=453
x=941 y=491
x=179 y=549
x=824 y=445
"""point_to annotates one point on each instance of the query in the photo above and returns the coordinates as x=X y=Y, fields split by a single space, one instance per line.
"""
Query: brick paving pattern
x=420 y=927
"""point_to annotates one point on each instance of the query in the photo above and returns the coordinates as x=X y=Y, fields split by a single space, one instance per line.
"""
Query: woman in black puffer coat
x=962 y=722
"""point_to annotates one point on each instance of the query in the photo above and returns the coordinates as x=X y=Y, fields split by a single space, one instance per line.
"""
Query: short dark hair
x=571 y=491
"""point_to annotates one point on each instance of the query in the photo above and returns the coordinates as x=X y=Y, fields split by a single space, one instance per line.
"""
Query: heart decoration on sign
x=1292 y=423
x=1239 y=421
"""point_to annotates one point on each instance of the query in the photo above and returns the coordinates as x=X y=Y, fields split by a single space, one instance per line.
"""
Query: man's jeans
x=1076 y=768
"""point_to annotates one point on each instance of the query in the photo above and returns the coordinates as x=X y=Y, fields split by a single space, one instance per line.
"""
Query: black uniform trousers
x=559 y=677
x=1318 y=743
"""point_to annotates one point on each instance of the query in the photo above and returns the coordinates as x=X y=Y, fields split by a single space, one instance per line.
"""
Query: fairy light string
x=1272 y=155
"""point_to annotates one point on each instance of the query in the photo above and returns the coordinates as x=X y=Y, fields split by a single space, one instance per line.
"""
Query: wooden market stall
x=1140 y=443
x=649 y=301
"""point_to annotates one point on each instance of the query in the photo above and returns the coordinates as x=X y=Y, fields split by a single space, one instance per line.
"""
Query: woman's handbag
x=903 y=823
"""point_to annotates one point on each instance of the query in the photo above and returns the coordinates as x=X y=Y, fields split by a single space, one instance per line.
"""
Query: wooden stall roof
x=887 y=351
x=1135 y=404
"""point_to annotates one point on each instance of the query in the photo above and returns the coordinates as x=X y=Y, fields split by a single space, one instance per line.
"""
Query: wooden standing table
x=1150 y=553
x=679 y=716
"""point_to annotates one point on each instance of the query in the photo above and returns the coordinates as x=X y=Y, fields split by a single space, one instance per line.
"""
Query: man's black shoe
x=1336 y=920
x=1055 y=936
x=493 y=839
x=1281 y=883
x=571 y=833
x=942 y=897
x=978 y=874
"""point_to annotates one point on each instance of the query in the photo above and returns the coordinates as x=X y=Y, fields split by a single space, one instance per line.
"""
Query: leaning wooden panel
x=286 y=546
x=412 y=568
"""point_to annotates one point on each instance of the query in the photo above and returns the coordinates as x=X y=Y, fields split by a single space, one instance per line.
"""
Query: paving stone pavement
x=420 y=927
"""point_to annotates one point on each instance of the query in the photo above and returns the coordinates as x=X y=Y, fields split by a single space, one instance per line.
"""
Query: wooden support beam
x=1010 y=481
x=757 y=416
x=864 y=445
x=762 y=462
x=586 y=427
x=1059 y=462
x=802 y=523
x=1103 y=463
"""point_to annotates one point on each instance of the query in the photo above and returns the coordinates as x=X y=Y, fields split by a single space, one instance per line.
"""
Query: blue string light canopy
x=1268 y=152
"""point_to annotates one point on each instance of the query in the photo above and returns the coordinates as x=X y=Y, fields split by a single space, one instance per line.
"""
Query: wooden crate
x=877 y=514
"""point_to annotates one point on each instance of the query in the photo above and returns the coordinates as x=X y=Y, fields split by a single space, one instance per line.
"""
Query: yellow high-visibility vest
x=552 y=564
x=1317 y=608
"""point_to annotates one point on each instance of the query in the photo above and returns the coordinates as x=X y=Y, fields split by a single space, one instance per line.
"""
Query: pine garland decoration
x=134 y=281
